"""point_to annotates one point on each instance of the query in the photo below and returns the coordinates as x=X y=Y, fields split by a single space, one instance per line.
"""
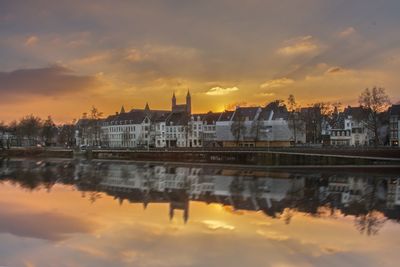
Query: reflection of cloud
x=31 y=40
x=297 y=46
x=46 y=225
x=221 y=91
x=275 y=83
x=216 y=225
x=272 y=235
x=331 y=250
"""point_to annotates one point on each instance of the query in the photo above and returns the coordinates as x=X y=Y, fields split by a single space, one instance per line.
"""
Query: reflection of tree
x=287 y=215
x=370 y=223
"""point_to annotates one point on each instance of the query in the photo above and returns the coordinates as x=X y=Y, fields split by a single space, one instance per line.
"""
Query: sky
x=66 y=229
x=60 y=58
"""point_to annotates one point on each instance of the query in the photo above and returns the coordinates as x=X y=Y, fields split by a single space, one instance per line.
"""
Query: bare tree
x=256 y=130
x=370 y=223
x=66 y=135
x=238 y=128
x=375 y=100
x=49 y=130
x=94 y=125
x=295 y=122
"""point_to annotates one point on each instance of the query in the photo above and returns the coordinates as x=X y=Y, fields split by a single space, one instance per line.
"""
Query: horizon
x=60 y=59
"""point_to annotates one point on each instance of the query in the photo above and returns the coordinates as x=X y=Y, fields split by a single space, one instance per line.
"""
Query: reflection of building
x=160 y=184
x=272 y=192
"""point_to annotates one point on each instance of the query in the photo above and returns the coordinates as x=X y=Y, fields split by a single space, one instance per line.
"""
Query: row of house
x=179 y=127
x=272 y=125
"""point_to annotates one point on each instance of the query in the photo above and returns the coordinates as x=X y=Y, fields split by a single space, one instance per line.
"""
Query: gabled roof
x=357 y=113
x=245 y=112
x=137 y=116
x=277 y=111
x=394 y=110
x=226 y=115
x=177 y=118
x=211 y=118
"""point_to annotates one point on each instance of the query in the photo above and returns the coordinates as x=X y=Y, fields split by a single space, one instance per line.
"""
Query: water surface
x=81 y=213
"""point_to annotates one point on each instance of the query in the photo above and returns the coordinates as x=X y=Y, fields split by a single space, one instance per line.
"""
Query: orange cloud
x=275 y=83
x=298 y=46
x=217 y=91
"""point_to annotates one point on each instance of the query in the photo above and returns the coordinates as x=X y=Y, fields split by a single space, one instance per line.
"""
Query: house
x=351 y=128
x=209 y=129
x=394 y=125
x=258 y=127
x=88 y=132
x=131 y=129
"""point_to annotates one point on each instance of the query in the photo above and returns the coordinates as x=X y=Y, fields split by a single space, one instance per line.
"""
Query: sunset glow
x=60 y=58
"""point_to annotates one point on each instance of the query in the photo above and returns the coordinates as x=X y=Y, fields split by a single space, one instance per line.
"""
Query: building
x=136 y=128
x=394 y=125
x=257 y=127
x=351 y=128
x=179 y=128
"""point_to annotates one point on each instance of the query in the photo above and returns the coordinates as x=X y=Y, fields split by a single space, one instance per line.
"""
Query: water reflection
x=372 y=199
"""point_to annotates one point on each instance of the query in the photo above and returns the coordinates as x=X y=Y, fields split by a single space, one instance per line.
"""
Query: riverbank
x=284 y=157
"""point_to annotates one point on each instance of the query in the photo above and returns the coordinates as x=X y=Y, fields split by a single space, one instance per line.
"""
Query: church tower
x=188 y=103
x=173 y=101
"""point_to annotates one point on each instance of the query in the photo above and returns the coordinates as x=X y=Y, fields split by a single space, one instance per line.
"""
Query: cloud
x=154 y=52
x=31 y=40
x=92 y=59
x=335 y=70
x=221 y=91
x=52 y=80
x=298 y=46
x=275 y=83
x=268 y=94
x=347 y=32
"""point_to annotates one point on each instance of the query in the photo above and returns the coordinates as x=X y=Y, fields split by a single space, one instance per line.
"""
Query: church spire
x=147 y=108
x=188 y=103
x=173 y=101
x=122 y=110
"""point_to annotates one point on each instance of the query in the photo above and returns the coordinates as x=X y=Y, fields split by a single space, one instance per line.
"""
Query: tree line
x=32 y=130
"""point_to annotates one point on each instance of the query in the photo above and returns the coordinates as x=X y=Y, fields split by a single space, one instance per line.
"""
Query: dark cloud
x=52 y=80
x=335 y=70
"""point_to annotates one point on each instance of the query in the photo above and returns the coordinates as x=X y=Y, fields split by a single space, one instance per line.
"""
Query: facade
x=351 y=128
x=133 y=129
x=179 y=128
x=269 y=126
x=394 y=125
x=257 y=127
